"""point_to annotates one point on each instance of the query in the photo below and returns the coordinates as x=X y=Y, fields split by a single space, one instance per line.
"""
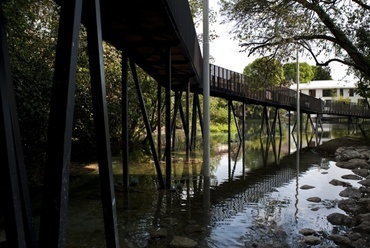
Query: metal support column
x=187 y=113
x=273 y=128
x=124 y=121
x=56 y=186
x=317 y=129
x=147 y=124
x=100 y=111
x=236 y=122
x=178 y=95
x=265 y=120
x=300 y=130
x=16 y=206
x=229 y=137
x=194 y=123
x=168 y=120
x=200 y=116
x=159 y=121
x=289 y=132
x=243 y=140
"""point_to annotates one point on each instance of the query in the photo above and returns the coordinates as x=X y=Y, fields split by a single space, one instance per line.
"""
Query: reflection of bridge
x=157 y=35
x=231 y=197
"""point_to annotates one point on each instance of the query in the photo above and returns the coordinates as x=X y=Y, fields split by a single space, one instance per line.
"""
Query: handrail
x=180 y=12
x=238 y=85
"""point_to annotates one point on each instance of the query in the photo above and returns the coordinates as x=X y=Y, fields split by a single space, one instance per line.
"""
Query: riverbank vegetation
x=32 y=28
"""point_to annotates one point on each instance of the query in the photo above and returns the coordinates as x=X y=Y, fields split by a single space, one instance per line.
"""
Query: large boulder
x=340 y=219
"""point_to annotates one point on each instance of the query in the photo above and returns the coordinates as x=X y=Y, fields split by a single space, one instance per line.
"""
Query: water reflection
x=247 y=198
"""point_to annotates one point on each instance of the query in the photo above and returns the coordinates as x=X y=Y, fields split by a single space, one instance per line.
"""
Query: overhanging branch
x=363 y=5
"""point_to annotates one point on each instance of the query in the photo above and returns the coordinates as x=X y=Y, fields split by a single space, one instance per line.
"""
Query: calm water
x=257 y=201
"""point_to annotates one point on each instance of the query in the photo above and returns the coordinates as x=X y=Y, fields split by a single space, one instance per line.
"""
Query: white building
x=329 y=90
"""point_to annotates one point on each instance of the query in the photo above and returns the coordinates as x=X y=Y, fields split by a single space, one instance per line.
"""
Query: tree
x=264 y=72
x=334 y=30
x=32 y=28
x=196 y=8
x=322 y=73
x=306 y=72
x=31 y=31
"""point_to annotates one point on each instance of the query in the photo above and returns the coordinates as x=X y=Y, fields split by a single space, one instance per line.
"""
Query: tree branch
x=341 y=39
x=363 y=5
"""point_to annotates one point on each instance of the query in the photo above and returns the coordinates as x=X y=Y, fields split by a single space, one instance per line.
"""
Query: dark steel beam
x=178 y=96
x=178 y=107
x=10 y=192
x=184 y=121
x=199 y=114
x=236 y=122
x=30 y=231
x=229 y=103
x=147 y=124
x=56 y=186
x=159 y=121
x=100 y=111
x=168 y=120
x=187 y=112
x=124 y=120
x=243 y=139
x=289 y=133
x=194 y=123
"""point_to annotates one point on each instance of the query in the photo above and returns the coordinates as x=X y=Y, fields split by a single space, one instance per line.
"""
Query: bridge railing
x=236 y=84
x=346 y=108
x=181 y=14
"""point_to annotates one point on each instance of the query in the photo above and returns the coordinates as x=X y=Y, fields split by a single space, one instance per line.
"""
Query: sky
x=226 y=51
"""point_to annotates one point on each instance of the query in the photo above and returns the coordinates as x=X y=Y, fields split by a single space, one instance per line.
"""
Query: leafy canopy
x=328 y=30
x=322 y=73
x=267 y=72
x=306 y=72
x=264 y=72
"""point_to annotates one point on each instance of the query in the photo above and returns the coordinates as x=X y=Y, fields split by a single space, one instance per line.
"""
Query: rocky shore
x=355 y=200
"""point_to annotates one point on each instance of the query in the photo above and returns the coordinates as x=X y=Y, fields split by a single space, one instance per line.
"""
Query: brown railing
x=231 y=84
x=346 y=108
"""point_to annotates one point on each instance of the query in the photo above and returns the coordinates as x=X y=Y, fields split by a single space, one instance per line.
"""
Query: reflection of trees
x=235 y=151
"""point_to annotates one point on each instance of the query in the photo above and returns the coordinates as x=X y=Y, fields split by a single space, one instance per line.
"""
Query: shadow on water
x=255 y=198
x=248 y=199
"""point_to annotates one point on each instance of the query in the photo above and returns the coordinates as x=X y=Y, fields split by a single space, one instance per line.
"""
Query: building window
x=351 y=92
x=312 y=93
x=327 y=93
x=341 y=92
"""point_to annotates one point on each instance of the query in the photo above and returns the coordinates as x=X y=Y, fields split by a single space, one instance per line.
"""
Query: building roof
x=326 y=84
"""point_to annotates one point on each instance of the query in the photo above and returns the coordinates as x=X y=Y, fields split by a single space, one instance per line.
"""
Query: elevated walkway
x=146 y=30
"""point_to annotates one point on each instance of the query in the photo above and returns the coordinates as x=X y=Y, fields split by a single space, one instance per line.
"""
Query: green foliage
x=196 y=8
x=31 y=39
x=306 y=72
x=218 y=111
x=264 y=72
x=322 y=73
x=363 y=88
x=327 y=31
x=270 y=72
x=32 y=28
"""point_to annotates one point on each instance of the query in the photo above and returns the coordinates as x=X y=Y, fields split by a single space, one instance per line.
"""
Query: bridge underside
x=145 y=30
